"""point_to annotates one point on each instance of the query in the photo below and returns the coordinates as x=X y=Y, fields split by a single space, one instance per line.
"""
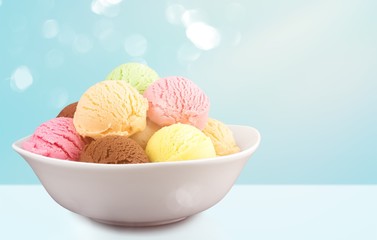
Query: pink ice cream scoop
x=56 y=138
x=177 y=100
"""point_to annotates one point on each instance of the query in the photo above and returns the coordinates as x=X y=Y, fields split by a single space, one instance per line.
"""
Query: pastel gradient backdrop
x=302 y=72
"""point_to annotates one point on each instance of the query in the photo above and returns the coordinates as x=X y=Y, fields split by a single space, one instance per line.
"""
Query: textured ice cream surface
x=221 y=136
x=114 y=150
x=56 y=138
x=110 y=108
x=179 y=142
x=177 y=100
x=68 y=111
x=138 y=75
x=143 y=137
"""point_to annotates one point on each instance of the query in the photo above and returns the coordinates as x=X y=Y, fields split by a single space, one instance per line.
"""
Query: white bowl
x=142 y=194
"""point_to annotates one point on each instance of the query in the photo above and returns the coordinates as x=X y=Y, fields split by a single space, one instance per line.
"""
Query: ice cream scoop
x=56 y=138
x=177 y=100
x=179 y=142
x=68 y=111
x=143 y=137
x=110 y=108
x=138 y=75
x=221 y=136
x=113 y=150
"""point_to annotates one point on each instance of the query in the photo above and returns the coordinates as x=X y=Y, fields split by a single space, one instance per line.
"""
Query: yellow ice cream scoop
x=221 y=136
x=110 y=108
x=179 y=142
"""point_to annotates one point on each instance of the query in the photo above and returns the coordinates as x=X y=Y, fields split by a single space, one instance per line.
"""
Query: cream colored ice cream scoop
x=143 y=137
x=221 y=136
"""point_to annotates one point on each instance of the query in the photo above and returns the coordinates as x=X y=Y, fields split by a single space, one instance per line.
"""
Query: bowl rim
x=69 y=163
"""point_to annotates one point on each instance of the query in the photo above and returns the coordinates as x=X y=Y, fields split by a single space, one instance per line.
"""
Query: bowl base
x=138 y=224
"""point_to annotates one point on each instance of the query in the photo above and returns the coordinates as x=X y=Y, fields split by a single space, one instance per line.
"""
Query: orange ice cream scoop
x=110 y=108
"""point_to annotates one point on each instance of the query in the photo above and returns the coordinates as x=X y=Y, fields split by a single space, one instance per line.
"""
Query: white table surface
x=247 y=212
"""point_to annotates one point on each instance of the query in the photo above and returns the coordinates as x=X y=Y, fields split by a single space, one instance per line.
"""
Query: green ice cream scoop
x=138 y=75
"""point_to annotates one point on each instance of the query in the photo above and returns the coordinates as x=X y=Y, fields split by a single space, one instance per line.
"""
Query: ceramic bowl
x=142 y=194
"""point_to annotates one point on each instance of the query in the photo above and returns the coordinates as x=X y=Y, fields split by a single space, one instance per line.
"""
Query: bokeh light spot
x=193 y=16
x=237 y=37
x=82 y=43
x=230 y=37
x=174 y=13
x=109 y=39
x=135 y=45
x=50 y=28
x=103 y=28
x=188 y=53
x=203 y=36
x=108 y=8
x=21 y=79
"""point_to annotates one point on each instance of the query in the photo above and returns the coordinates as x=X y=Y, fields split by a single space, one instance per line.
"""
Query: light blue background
x=303 y=72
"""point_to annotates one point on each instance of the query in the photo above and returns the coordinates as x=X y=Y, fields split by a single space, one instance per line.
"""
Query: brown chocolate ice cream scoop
x=68 y=111
x=113 y=150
